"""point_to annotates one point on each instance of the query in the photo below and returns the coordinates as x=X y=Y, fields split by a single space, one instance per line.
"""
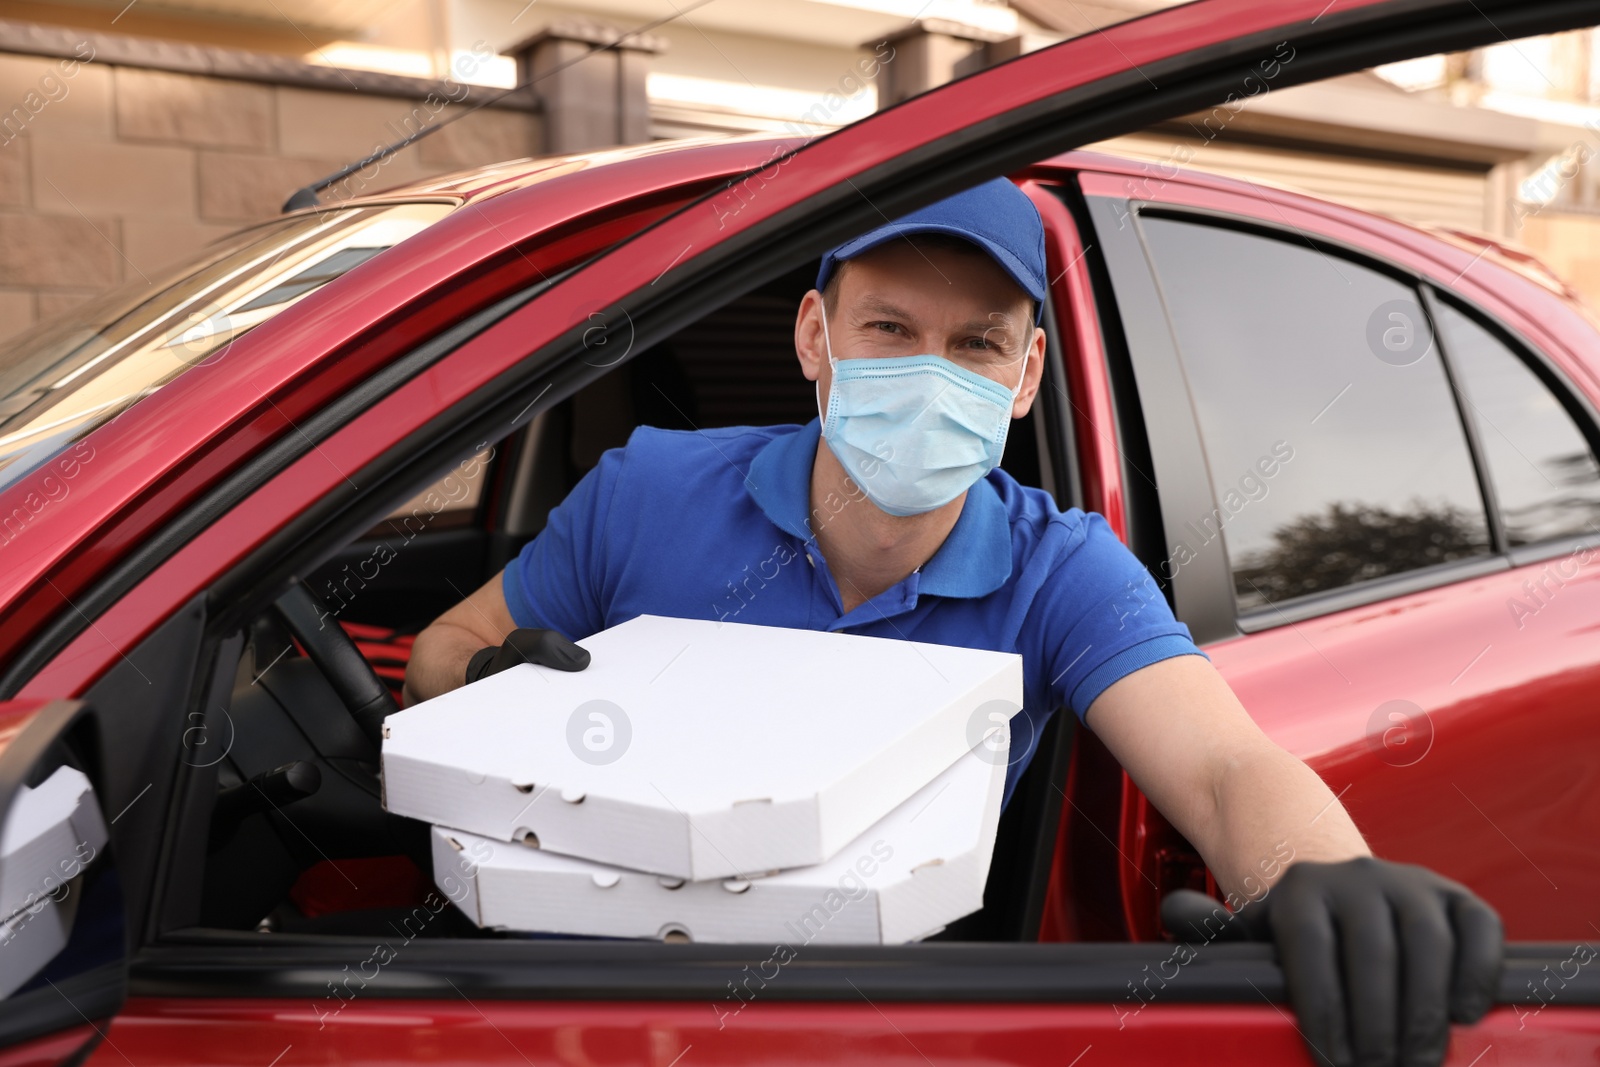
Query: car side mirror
x=63 y=951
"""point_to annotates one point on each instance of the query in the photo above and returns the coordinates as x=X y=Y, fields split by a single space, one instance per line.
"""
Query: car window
x=1336 y=450
x=451 y=497
x=63 y=378
x=1544 y=473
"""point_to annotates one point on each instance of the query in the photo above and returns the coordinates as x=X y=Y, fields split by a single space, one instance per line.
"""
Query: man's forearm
x=439 y=661
x=1273 y=810
x=1249 y=806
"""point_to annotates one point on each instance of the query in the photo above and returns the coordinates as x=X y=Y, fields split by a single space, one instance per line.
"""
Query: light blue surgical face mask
x=914 y=432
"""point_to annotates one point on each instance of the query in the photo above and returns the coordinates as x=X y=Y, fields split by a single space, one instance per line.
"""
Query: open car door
x=650 y=1003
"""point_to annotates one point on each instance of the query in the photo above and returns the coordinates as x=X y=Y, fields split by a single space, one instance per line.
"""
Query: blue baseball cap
x=996 y=216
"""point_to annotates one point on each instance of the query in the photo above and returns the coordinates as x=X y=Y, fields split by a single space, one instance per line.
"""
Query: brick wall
x=110 y=172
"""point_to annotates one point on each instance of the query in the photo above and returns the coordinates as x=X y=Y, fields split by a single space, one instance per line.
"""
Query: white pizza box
x=912 y=872
x=51 y=833
x=698 y=749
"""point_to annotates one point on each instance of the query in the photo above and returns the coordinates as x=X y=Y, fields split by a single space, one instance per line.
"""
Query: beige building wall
x=1569 y=245
x=110 y=173
x=1413 y=192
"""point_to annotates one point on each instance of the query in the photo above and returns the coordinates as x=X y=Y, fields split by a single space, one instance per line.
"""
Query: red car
x=1359 y=458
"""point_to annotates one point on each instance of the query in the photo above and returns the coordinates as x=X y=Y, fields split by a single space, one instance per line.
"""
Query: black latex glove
x=545 y=648
x=1379 y=957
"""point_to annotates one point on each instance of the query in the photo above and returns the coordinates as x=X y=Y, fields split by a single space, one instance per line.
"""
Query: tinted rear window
x=1334 y=443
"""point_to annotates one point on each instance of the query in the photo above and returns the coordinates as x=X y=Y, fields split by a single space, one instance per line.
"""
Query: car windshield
x=61 y=379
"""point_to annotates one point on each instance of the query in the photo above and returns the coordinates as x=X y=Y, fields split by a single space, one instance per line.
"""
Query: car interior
x=299 y=841
x=298 y=822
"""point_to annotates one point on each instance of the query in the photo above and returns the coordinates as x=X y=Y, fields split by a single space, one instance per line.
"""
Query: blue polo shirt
x=718 y=524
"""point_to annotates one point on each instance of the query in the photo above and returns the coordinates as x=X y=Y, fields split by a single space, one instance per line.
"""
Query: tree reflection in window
x=1349 y=542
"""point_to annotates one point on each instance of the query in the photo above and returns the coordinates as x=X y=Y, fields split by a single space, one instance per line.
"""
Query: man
x=888 y=516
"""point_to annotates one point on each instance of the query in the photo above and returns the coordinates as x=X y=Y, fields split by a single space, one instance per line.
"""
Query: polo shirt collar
x=974 y=560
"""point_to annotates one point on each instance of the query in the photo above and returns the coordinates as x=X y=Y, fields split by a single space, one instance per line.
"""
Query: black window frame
x=1142 y=511
x=1203 y=589
x=1132 y=308
x=1579 y=408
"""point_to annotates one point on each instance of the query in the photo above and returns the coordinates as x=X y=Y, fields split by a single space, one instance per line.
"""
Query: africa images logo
x=989 y=732
x=599 y=732
x=1400 y=733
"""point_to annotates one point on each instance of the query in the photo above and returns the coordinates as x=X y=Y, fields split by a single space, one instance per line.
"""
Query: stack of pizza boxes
x=716 y=782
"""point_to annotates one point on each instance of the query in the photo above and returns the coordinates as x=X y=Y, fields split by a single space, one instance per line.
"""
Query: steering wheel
x=360 y=690
x=363 y=694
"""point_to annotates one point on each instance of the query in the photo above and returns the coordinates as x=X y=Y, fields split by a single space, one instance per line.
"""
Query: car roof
x=481 y=183
x=497 y=179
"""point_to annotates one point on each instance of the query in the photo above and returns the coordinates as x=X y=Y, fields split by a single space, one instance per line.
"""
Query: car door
x=79 y=864
x=203 y=997
x=1378 y=504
